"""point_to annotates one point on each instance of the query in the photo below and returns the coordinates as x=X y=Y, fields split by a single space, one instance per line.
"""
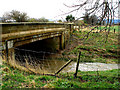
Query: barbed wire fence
x=41 y=62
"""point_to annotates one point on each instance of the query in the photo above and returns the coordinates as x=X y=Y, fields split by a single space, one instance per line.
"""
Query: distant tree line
x=17 y=16
x=90 y=20
x=42 y=19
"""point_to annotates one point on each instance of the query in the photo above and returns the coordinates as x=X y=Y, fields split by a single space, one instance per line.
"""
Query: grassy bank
x=116 y=27
x=95 y=48
x=13 y=78
x=98 y=47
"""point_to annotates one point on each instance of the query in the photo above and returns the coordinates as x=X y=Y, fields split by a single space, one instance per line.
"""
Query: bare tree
x=18 y=16
x=15 y=15
x=105 y=10
x=6 y=17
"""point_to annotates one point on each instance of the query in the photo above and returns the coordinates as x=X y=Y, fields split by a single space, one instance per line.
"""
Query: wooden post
x=114 y=30
x=105 y=30
x=6 y=45
x=99 y=30
x=75 y=75
x=63 y=66
x=70 y=28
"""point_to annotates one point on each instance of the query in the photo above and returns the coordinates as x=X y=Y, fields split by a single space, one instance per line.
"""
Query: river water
x=52 y=66
x=92 y=67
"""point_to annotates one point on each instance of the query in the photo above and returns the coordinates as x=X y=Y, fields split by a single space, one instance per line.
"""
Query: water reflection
x=50 y=66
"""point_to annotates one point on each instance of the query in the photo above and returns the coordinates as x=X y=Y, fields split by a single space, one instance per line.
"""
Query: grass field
x=116 y=27
x=98 y=47
x=13 y=78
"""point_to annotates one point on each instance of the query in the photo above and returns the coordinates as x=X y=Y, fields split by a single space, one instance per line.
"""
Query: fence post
x=114 y=30
x=6 y=45
x=105 y=30
x=78 y=60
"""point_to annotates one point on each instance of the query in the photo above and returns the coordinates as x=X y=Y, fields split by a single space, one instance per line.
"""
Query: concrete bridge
x=18 y=34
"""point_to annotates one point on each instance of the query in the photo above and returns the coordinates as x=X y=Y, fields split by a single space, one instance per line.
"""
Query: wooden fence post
x=75 y=75
x=105 y=30
x=6 y=46
x=114 y=30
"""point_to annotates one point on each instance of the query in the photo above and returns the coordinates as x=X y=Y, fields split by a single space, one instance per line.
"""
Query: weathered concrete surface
x=26 y=26
x=21 y=34
x=17 y=34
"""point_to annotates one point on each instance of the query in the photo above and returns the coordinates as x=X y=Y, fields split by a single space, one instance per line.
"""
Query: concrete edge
x=35 y=23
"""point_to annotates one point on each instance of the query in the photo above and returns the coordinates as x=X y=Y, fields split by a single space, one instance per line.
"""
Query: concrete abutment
x=19 y=35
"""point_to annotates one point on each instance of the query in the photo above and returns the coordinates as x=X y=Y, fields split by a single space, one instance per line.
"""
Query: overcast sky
x=39 y=8
x=36 y=8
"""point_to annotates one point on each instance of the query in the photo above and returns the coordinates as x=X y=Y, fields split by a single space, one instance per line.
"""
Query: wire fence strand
x=37 y=61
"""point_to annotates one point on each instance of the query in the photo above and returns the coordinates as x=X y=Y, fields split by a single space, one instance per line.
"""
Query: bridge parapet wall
x=26 y=26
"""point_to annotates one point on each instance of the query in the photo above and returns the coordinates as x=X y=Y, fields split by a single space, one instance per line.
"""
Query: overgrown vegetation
x=95 y=48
